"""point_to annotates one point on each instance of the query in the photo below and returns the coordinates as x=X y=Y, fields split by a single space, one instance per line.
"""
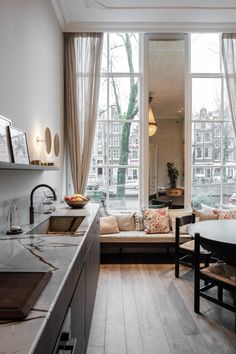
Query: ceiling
x=174 y=16
x=146 y=15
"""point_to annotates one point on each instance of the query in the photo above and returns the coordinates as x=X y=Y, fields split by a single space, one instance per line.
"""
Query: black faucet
x=31 y=208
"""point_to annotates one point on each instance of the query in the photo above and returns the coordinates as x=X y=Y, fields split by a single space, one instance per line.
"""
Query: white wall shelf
x=19 y=166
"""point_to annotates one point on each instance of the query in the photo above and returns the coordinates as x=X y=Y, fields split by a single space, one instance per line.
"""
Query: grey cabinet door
x=78 y=315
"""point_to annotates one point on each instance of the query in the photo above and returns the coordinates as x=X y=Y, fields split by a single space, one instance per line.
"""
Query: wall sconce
x=47 y=140
x=38 y=140
x=152 y=125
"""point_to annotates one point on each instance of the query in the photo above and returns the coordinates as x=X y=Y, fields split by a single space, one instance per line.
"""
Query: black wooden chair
x=184 y=252
x=221 y=274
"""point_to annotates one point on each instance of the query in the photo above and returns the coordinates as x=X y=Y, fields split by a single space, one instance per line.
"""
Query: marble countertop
x=27 y=252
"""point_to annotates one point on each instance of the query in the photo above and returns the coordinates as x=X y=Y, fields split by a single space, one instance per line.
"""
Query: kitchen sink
x=64 y=225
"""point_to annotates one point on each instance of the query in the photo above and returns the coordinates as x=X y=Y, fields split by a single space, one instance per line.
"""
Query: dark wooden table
x=176 y=201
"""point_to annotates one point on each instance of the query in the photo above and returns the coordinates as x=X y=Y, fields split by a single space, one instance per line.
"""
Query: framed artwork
x=5 y=149
x=19 y=147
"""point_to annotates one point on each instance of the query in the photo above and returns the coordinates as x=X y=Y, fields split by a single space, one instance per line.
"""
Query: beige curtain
x=83 y=52
x=229 y=60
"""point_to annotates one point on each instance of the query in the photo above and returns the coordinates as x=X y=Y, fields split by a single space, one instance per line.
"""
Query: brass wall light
x=152 y=125
x=47 y=140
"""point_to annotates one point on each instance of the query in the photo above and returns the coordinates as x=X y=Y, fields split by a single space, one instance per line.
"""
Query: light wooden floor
x=142 y=308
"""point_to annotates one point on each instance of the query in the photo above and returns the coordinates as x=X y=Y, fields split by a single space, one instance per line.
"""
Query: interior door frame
x=187 y=117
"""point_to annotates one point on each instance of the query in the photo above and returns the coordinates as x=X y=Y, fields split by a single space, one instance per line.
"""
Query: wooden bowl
x=76 y=204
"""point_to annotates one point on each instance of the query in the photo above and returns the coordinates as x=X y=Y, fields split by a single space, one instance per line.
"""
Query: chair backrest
x=225 y=251
x=181 y=221
x=186 y=219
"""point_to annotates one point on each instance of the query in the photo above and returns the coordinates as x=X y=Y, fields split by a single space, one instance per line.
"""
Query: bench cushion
x=142 y=237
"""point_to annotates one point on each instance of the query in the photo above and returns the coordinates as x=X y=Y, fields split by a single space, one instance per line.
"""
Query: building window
x=199 y=137
x=135 y=154
x=118 y=120
x=115 y=154
x=116 y=129
x=210 y=117
x=216 y=155
x=208 y=137
x=199 y=154
x=116 y=141
x=208 y=152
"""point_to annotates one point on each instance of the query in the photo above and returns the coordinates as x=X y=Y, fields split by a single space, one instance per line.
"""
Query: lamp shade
x=152 y=123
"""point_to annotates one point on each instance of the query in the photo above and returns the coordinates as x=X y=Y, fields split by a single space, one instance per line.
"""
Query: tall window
x=213 y=146
x=118 y=125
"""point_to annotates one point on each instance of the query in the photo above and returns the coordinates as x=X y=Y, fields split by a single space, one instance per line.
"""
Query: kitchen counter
x=64 y=256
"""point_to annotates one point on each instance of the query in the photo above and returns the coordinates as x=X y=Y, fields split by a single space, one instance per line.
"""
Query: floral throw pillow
x=227 y=215
x=156 y=221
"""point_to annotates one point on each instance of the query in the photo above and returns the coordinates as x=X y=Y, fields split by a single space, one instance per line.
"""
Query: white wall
x=31 y=86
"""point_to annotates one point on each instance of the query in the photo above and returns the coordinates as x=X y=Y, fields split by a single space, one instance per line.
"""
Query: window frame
x=113 y=125
x=218 y=132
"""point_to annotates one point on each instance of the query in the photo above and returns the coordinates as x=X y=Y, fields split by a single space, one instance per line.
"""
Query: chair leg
x=220 y=293
x=235 y=312
x=197 y=275
x=192 y=260
x=196 y=295
x=207 y=260
x=177 y=262
x=206 y=264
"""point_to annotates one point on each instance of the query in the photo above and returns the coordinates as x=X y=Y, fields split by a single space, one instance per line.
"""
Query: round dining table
x=215 y=230
x=220 y=236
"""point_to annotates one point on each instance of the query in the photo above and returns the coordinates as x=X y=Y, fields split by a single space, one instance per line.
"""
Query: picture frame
x=5 y=148
x=19 y=146
x=5 y=121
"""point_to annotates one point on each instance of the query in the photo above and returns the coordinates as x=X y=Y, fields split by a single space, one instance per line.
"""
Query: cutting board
x=19 y=291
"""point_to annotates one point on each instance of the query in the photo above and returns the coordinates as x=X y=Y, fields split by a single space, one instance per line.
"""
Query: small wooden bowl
x=76 y=204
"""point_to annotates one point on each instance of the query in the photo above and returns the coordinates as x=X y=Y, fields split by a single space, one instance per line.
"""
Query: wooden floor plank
x=95 y=350
x=170 y=321
x=212 y=331
x=115 y=342
x=198 y=344
x=132 y=328
x=97 y=331
x=144 y=309
x=153 y=335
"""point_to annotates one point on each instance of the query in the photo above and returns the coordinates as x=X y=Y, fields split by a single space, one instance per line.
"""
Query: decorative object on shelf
x=5 y=150
x=152 y=125
x=56 y=145
x=172 y=174
x=76 y=201
x=40 y=163
x=19 y=147
x=35 y=162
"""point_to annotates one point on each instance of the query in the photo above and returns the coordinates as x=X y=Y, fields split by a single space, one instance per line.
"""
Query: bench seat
x=141 y=237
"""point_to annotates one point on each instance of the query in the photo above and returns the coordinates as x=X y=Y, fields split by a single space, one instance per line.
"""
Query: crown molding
x=167 y=27
x=159 y=5
x=61 y=13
